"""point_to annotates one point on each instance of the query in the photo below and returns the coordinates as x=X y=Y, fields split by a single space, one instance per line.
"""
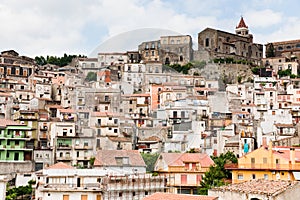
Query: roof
x=169 y=196
x=108 y=157
x=261 y=186
x=178 y=159
x=60 y=165
x=286 y=42
x=8 y=122
x=242 y=24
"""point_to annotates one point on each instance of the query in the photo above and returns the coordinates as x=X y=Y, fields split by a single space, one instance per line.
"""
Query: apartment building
x=183 y=171
x=268 y=163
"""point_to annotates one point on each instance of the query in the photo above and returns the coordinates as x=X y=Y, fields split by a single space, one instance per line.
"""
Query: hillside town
x=73 y=137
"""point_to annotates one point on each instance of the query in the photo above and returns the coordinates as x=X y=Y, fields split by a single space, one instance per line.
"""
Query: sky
x=54 y=27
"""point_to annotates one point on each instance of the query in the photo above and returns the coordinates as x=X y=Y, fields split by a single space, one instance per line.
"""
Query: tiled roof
x=108 y=157
x=105 y=114
x=286 y=42
x=8 y=122
x=284 y=125
x=66 y=110
x=261 y=186
x=119 y=139
x=169 y=196
x=242 y=24
x=178 y=159
x=151 y=139
x=60 y=165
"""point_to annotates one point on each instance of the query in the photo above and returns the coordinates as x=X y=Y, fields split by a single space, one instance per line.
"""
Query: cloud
x=35 y=27
x=263 y=18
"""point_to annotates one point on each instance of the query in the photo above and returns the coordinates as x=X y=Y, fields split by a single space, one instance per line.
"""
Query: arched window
x=280 y=48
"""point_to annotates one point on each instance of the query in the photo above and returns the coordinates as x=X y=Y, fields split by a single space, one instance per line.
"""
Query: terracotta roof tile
x=60 y=165
x=169 y=196
x=178 y=159
x=258 y=186
x=242 y=24
x=108 y=157
x=8 y=122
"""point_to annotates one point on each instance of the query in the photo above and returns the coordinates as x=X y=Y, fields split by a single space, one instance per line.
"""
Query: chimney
x=292 y=155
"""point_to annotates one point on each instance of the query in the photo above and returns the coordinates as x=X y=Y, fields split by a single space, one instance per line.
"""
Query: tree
x=91 y=76
x=270 y=51
x=217 y=174
x=54 y=60
x=15 y=192
x=149 y=160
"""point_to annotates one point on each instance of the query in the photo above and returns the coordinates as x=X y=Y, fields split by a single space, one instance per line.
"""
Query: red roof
x=242 y=24
x=178 y=159
x=60 y=165
x=8 y=122
x=108 y=157
x=169 y=196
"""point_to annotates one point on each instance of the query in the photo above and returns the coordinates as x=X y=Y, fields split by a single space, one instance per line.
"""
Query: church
x=239 y=46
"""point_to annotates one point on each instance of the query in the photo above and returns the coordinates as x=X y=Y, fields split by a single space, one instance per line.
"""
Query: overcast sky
x=54 y=27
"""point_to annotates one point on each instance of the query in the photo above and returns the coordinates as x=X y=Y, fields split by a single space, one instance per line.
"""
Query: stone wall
x=13 y=167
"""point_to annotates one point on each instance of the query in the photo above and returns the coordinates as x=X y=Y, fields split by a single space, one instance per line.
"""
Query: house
x=258 y=189
x=184 y=171
x=268 y=163
x=61 y=181
x=125 y=161
x=15 y=147
x=288 y=48
x=170 y=196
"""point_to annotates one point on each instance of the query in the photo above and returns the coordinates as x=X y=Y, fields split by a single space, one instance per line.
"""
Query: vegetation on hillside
x=59 y=61
x=217 y=174
x=91 y=76
x=19 y=192
x=149 y=159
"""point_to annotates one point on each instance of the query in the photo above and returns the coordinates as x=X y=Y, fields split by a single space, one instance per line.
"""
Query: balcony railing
x=271 y=166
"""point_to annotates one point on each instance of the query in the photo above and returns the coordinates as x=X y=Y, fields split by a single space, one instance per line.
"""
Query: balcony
x=66 y=158
x=64 y=147
x=82 y=147
x=271 y=166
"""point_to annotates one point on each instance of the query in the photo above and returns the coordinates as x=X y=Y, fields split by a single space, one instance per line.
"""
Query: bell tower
x=241 y=29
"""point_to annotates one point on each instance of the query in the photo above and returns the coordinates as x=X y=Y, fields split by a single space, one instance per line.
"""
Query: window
x=277 y=161
x=115 y=121
x=84 y=197
x=152 y=53
x=265 y=160
x=252 y=160
x=115 y=130
x=120 y=194
x=266 y=176
x=183 y=179
x=240 y=177
x=253 y=176
x=65 y=197
x=207 y=42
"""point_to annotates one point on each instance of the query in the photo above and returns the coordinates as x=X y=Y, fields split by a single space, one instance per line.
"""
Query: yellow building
x=269 y=163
